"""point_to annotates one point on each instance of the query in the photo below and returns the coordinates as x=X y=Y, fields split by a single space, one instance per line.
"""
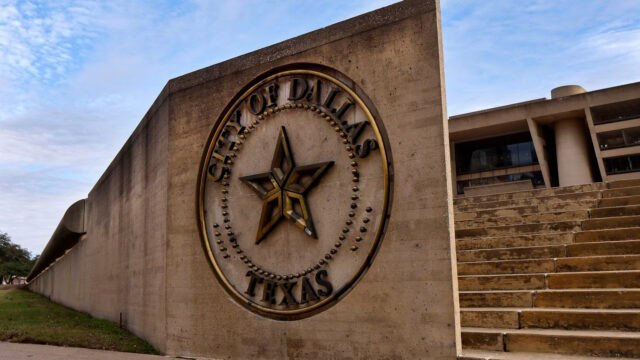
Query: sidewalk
x=12 y=351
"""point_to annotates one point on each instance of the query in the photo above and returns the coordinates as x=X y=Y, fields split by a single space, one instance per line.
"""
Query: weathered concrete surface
x=402 y=308
x=119 y=267
x=69 y=231
x=143 y=255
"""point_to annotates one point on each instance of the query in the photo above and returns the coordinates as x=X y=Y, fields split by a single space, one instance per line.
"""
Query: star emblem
x=283 y=189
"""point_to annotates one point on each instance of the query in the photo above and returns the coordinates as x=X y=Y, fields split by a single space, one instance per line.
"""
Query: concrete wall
x=397 y=65
x=143 y=255
x=119 y=266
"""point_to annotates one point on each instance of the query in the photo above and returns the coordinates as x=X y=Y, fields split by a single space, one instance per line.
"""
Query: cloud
x=76 y=77
x=501 y=52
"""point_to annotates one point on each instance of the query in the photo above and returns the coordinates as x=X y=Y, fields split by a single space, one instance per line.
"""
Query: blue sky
x=76 y=76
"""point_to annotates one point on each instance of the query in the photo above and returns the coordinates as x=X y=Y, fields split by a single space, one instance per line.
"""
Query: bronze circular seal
x=294 y=192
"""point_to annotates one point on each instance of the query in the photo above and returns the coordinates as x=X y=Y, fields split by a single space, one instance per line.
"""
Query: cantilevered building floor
x=576 y=137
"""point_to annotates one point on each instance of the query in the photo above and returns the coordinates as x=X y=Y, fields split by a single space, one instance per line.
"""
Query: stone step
x=507 y=267
x=526 y=209
x=621 y=192
x=517 y=253
x=497 y=242
x=578 y=298
x=575 y=215
x=597 y=263
x=571 y=342
x=469 y=354
x=490 y=318
x=552 y=251
x=612 y=223
x=581 y=319
x=619 y=201
x=528 y=194
x=630 y=210
x=582 y=280
x=533 y=266
x=567 y=319
x=587 y=299
x=506 y=299
x=541 y=228
x=622 y=279
x=592 y=195
x=623 y=183
x=502 y=282
x=630 y=233
x=602 y=248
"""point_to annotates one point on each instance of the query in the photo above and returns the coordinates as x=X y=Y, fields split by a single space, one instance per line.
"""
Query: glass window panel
x=622 y=164
x=611 y=140
x=632 y=136
x=619 y=138
x=524 y=154
x=495 y=153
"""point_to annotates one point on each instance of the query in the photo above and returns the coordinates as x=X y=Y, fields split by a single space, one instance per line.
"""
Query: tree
x=14 y=260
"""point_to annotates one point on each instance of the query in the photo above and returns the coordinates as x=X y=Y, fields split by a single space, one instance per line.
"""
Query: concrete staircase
x=552 y=271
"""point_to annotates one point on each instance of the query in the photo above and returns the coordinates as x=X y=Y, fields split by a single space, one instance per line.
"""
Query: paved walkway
x=11 y=351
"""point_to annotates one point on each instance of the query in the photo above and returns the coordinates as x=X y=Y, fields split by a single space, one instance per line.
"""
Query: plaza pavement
x=12 y=351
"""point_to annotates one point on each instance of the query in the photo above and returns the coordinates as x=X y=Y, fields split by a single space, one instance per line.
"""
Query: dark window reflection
x=622 y=164
x=495 y=153
x=619 y=138
x=619 y=111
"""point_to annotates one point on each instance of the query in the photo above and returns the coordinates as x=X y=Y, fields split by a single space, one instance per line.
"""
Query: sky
x=76 y=76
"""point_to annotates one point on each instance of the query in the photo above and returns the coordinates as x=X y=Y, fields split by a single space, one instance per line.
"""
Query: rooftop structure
x=576 y=137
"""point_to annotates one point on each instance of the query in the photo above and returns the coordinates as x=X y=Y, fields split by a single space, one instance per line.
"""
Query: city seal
x=294 y=191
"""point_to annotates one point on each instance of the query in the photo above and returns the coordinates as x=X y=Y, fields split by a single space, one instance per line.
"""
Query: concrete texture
x=119 y=267
x=408 y=96
x=67 y=234
x=573 y=152
x=142 y=256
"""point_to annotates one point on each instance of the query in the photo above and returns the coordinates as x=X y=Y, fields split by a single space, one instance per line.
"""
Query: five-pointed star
x=283 y=189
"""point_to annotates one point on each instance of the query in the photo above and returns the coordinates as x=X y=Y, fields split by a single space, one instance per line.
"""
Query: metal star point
x=283 y=190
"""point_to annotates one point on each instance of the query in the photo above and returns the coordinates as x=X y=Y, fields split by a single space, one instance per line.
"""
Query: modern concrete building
x=576 y=137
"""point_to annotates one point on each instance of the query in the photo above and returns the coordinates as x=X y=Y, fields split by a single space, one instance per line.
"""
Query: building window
x=495 y=153
x=625 y=110
x=619 y=138
x=535 y=177
x=622 y=164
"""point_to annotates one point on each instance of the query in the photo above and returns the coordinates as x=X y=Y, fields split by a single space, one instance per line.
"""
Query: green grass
x=26 y=317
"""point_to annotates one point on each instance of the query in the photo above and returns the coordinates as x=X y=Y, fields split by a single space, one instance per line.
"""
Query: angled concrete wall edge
x=450 y=182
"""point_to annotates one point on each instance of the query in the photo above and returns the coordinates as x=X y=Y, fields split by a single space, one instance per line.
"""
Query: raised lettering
x=314 y=95
x=298 y=89
x=272 y=95
x=366 y=148
x=308 y=293
x=288 y=298
x=234 y=121
x=348 y=103
x=321 y=279
x=330 y=98
x=269 y=292
x=251 y=289
x=353 y=131
x=256 y=103
x=216 y=177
